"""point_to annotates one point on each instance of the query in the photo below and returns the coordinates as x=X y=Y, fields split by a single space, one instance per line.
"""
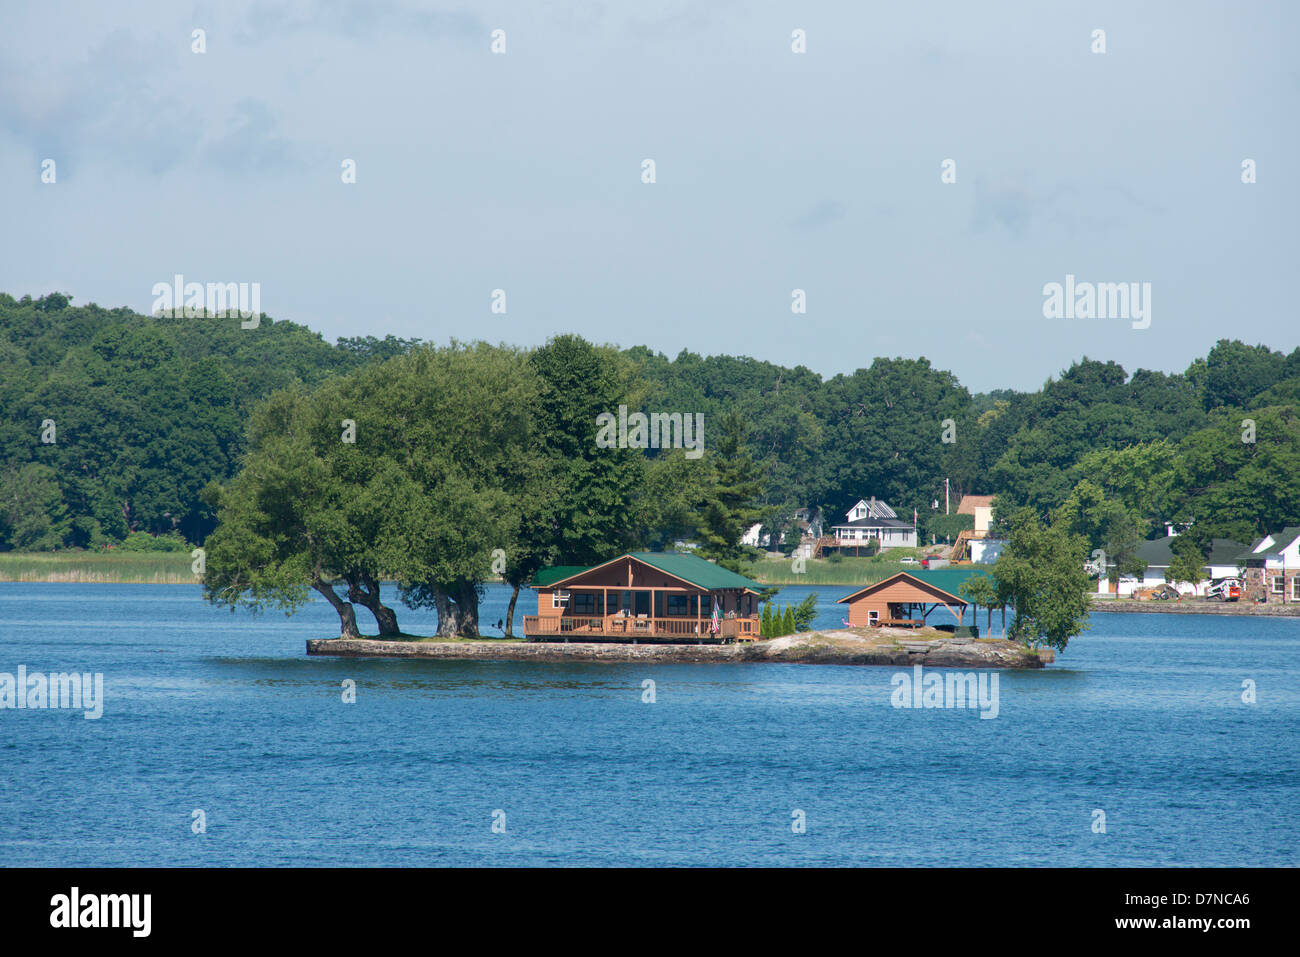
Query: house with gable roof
x=1272 y=568
x=873 y=518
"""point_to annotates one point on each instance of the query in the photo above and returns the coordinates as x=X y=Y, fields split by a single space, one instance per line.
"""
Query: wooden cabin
x=644 y=596
x=908 y=598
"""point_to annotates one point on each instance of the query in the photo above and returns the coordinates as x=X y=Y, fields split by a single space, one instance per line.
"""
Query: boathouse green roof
x=691 y=568
x=948 y=579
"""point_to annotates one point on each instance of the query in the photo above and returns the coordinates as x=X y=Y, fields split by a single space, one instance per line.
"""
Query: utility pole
x=945 y=496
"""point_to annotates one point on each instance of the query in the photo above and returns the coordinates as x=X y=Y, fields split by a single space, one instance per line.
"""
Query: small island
x=673 y=607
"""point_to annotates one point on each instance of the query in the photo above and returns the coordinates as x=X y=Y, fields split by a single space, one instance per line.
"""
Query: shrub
x=144 y=542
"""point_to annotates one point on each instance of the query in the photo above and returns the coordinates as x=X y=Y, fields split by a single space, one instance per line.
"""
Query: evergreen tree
x=731 y=497
x=805 y=612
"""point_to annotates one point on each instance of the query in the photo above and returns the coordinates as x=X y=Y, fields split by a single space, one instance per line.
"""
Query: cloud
x=360 y=18
x=106 y=103
x=1017 y=205
x=821 y=214
x=250 y=144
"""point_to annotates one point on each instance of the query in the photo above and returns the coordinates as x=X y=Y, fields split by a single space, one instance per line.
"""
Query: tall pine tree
x=731 y=496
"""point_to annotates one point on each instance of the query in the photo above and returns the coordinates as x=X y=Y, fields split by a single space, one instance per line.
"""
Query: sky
x=774 y=171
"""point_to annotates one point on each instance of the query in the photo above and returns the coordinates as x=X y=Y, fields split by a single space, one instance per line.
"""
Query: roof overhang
x=935 y=591
x=563 y=582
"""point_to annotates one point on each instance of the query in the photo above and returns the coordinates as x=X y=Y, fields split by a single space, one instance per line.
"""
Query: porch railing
x=623 y=627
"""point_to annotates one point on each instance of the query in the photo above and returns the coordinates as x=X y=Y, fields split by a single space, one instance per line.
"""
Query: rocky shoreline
x=1188 y=607
x=844 y=647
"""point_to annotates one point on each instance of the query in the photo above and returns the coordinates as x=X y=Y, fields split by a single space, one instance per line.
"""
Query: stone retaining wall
x=809 y=648
x=1190 y=607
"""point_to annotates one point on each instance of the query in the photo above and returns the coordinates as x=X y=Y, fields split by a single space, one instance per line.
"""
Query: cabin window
x=1278 y=585
x=1295 y=588
x=584 y=603
x=559 y=599
x=679 y=605
x=641 y=602
x=873 y=617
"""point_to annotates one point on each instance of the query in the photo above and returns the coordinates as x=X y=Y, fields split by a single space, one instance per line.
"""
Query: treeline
x=147 y=411
x=114 y=422
x=1115 y=456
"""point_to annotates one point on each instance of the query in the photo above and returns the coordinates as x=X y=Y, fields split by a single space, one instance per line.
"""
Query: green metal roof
x=691 y=568
x=1159 y=553
x=949 y=579
x=548 y=576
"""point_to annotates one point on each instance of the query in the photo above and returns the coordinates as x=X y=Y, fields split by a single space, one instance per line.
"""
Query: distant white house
x=872 y=518
x=754 y=536
x=1222 y=562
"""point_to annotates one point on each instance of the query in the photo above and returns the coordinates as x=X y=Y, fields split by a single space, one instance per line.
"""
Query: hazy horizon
x=775 y=171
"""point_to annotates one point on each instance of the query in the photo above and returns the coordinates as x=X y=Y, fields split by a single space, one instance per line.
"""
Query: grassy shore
x=820 y=571
x=147 y=568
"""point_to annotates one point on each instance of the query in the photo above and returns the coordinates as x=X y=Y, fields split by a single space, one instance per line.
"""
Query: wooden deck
x=627 y=628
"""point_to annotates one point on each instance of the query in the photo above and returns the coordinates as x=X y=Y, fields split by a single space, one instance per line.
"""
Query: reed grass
x=849 y=570
x=145 y=568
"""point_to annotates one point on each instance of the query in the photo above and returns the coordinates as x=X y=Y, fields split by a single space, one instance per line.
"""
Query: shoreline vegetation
x=173 y=568
x=98 y=568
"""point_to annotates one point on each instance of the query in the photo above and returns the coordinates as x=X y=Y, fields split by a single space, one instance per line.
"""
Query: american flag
x=713 y=622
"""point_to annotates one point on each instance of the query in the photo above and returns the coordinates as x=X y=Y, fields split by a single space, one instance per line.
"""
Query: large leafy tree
x=886 y=432
x=279 y=521
x=1190 y=554
x=146 y=410
x=459 y=424
x=1040 y=573
x=1235 y=486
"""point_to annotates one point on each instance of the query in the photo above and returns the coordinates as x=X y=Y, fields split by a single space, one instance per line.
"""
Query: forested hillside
x=113 y=422
x=147 y=411
x=1125 y=452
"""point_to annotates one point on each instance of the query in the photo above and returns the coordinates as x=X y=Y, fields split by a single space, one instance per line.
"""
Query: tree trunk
x=446 y=613
x=466 y=596
x=368 y=596
x=510 y=613
x=347 y=615
x=457 y=606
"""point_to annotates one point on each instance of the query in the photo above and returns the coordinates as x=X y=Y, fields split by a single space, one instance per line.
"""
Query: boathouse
x=908 y=598
x=644 y=596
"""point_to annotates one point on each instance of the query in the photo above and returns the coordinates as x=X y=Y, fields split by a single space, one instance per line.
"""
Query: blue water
x=1142 y=718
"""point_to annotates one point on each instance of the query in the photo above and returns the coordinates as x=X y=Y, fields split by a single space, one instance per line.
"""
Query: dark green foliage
x=1190 y=553
x=947 y=527
x=731 y=490
x=1040 y=574
x=144 y=542
x=146 y=412
x=805 y=612
x=149 y=410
